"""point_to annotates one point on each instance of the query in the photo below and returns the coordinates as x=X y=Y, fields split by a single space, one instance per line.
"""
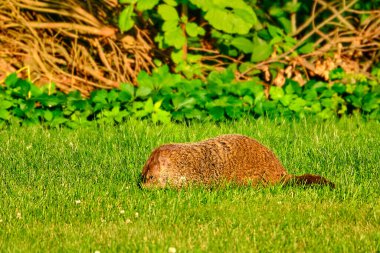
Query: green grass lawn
x=76 y=191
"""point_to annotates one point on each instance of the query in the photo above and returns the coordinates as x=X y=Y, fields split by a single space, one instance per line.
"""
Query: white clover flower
x=97 y=251
x=136 y=214
x=18 y=215
x=122 y=212
x=77 y=201
x=127 y=221
x=172 y=250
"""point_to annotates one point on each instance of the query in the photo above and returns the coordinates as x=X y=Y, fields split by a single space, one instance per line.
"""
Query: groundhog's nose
x=141 y=181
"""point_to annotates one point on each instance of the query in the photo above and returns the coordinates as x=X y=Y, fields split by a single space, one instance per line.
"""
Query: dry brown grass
x=350 y=44
x=70 y=43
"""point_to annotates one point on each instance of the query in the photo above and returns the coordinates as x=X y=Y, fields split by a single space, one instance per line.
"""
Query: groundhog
x=227 y=158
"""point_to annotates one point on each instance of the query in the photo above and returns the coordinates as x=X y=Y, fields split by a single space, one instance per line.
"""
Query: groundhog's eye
x=151 y=177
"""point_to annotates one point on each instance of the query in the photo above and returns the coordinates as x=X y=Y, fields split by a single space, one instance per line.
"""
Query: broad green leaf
x=243 y=44
x=339 y=88
x=142 y=92
x=370 y=102
x=99 y=96
x=257 y=90
x=246 y=14
x=328 y=103
x=275 y=32
x=193 y=30
x=171 y=2
x=58 y=121
x=125 y=19
x=261 y=50
x=4 y=114
x=360 y=90
x=276 y=93
x=258 y=109
x=318 y=86
x=143 y=5
x=286 y=24
x=276 y=11
x=316 y=107
x=293 y=87
x=217 y=113
x=175 y=38
x=297 y=105
x=48 y=115
x=23 y=87
x=157 y=105
x=306 y=48
x=145 y=80
x=127 y=88
x=236 y=4
x=127 y=1
x=161 y=116
x=115 y=111
x=326 y=114
x=170 y=25
x=5 y=104
x=193 y=58
x=148 y=106
x=125 y=96
x=249 y=100
x=328 y=93
x=11 y=80
x=277 y=40
x=204 y=5
x=291 y=7
x=310 y=95
x=248 y=66
x=80 y=104
x=167 y=12
x=194 y=114
x=178 y=115
x=48 y=101
x=343 y=109
x=227 y=21
x=35 y=91
x=287 y=99
x=269 y=106
x=177 y=56
x=112 y=96
x=181 y=102
x=234 y=112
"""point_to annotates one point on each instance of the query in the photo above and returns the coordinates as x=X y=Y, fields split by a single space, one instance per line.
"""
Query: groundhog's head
x=153 y=174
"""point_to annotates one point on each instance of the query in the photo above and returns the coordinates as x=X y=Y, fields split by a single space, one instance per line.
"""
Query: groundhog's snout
x=145 y=181
x=151 y=177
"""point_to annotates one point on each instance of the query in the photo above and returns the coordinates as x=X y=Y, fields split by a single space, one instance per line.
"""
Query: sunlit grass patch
x=77 y=190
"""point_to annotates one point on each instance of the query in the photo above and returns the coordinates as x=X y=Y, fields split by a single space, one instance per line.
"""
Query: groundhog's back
x=228 y=157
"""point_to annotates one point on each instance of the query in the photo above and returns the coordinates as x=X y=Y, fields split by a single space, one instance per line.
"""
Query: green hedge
x=162 y=97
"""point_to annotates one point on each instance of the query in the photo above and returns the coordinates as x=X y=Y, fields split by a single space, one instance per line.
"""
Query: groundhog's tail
x=308 y=179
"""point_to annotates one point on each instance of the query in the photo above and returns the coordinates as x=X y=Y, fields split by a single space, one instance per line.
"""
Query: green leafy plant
x=162 y=97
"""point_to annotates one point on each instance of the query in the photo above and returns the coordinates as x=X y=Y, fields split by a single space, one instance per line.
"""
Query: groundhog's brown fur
x=227 y=158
